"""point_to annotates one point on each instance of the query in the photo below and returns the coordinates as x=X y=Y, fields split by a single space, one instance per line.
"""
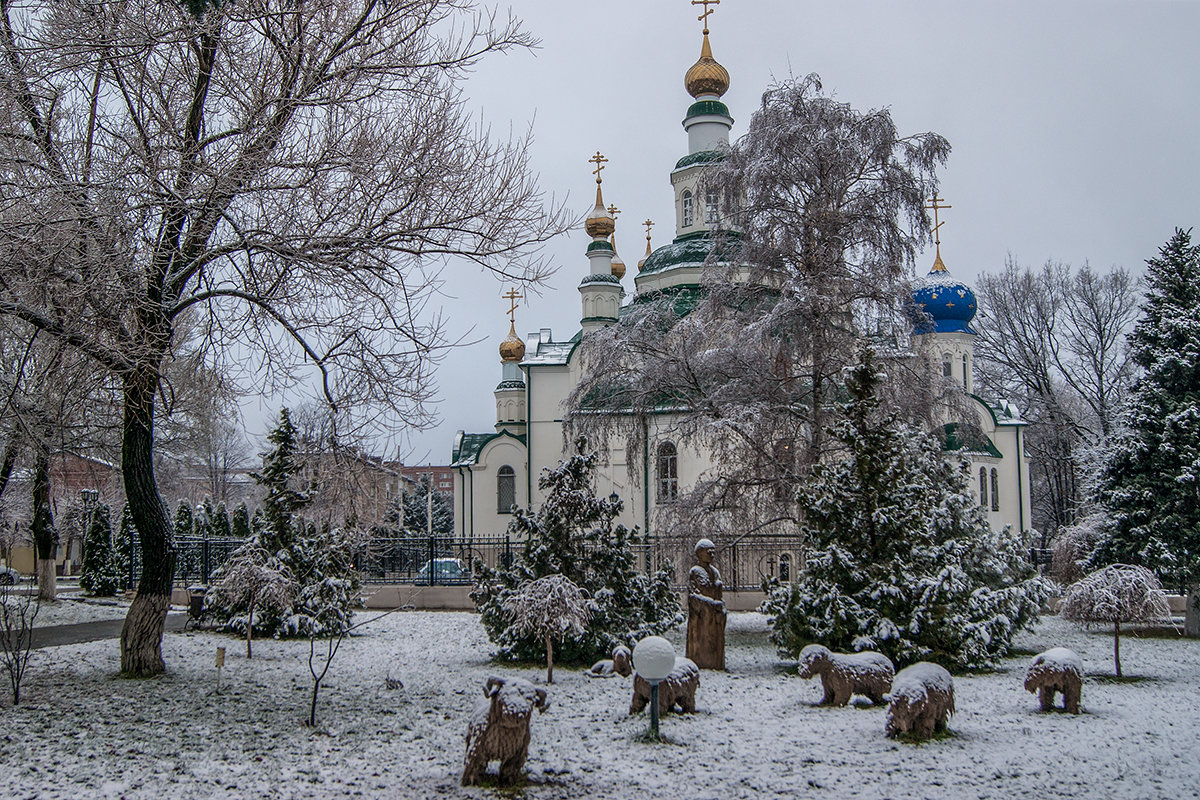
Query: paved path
x=55 y=635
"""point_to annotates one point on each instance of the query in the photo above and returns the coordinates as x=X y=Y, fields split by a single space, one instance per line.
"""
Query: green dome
x=689 y=249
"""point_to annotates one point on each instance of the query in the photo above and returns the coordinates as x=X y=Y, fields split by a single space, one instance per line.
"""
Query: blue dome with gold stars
x=949 y=302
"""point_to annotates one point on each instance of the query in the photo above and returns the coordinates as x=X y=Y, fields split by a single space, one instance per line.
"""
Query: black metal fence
x=439 y=560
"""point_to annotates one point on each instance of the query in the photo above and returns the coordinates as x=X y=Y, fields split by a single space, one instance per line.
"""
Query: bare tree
x=828 y=205
x=1054 y=341
x=1118 y=593
x=291 y=175
x=549 y=608
x=251 y=578
x=18 y=613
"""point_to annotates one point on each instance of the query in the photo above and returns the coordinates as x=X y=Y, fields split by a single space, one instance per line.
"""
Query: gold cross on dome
x=935 y=206
x=512 y=296
x=649 y=224
x=614 y=211
x=704 y=17
x=599 y=161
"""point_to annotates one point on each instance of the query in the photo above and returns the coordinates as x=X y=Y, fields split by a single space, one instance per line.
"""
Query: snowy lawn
x=80 y=731
x=73 y=607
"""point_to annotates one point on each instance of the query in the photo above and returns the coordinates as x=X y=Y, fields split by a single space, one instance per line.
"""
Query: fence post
x=205 y=562
x=432 y=565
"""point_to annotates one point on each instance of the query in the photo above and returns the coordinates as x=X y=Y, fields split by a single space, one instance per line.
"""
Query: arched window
x=983 y=487
x=947 y=365
x=667 y=472
x=785 y=568
x=966 y=370
x=710 y=207
x=995 y=490
x=506 y=490
x=687 y=209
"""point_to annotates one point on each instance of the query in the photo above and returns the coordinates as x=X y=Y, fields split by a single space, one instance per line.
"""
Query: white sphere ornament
x=654 y=658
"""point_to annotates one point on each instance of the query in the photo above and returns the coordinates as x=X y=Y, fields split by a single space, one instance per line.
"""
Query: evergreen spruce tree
x=220 y=522
x=100 y=575
x=319 y=560
x=573 y=535
x=414 y=509
x=239 y=525
x=903 y=561
x=1151 y=483
x=123 y=547
x=184 y=520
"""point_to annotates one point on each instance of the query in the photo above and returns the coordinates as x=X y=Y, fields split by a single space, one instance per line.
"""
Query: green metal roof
x=467 y=452
x=689 y=249
x=702 y=108
x=700 y=157
x=969 y=438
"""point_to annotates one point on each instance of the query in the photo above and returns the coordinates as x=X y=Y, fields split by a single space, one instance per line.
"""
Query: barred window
x=506 y=490
x=667 y=472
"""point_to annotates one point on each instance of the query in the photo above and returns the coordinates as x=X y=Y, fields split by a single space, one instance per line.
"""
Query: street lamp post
x=654 y=658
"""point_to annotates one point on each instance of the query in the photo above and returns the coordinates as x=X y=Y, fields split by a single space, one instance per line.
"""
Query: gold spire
x=599 y=223
x=935 y=206
x=512 y=348
x=618 y=266
x=649 y=224
x=706 y=76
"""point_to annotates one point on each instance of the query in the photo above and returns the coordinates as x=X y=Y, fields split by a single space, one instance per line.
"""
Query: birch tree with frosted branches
x=550 y=608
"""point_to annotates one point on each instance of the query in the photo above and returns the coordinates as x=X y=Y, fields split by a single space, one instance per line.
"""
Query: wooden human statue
x=706 y=610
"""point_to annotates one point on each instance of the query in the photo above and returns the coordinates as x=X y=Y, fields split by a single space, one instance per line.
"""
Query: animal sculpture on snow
x=846 y=674
x=1056 y=670
x=921 y=700
x=499 y=729
x=678 y=689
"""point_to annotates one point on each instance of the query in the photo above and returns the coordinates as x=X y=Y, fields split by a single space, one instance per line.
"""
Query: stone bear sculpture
x=921 y=700
x=1056 y=670
x=845 y=674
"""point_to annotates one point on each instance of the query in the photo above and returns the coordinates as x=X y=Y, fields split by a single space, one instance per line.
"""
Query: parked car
x=445 y=571
x=9 y=576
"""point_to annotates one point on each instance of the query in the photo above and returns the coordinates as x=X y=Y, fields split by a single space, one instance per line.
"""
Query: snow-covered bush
x=1118 y=593
x=318 y=560
x=551 y=608
x=903 y=561
x=100 y=574
x=573 y=535
x=1074 y=547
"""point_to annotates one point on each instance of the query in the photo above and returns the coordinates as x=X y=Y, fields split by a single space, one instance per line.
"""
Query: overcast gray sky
x=1074 y=125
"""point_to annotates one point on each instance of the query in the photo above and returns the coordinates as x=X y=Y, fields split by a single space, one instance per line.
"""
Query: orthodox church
x=499 y=469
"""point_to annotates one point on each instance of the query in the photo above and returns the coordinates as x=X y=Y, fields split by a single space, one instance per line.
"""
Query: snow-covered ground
x=80 y=731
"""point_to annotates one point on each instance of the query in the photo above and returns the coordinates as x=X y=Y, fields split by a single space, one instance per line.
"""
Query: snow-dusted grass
x=82 y=732
x=73 y=609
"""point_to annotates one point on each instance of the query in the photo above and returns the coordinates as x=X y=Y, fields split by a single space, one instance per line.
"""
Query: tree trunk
x=45 y=537
x=250 y=628
x=141 y=637
x=549 y=659
x=1191 y=614
x=1117 y=645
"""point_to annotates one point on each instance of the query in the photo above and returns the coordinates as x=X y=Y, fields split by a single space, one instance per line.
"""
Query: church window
x=710 y=207
x=995 y=490
x=947 y=365
x=506 y=490
x=966 y=370
x=687 y=209
x=785 y=567
x=983 y=478
x=667 y=471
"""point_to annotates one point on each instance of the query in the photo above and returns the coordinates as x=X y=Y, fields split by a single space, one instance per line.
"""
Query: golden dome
x=618 y=267
x=706 y=76
x=512 y=348
x=599 y=224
